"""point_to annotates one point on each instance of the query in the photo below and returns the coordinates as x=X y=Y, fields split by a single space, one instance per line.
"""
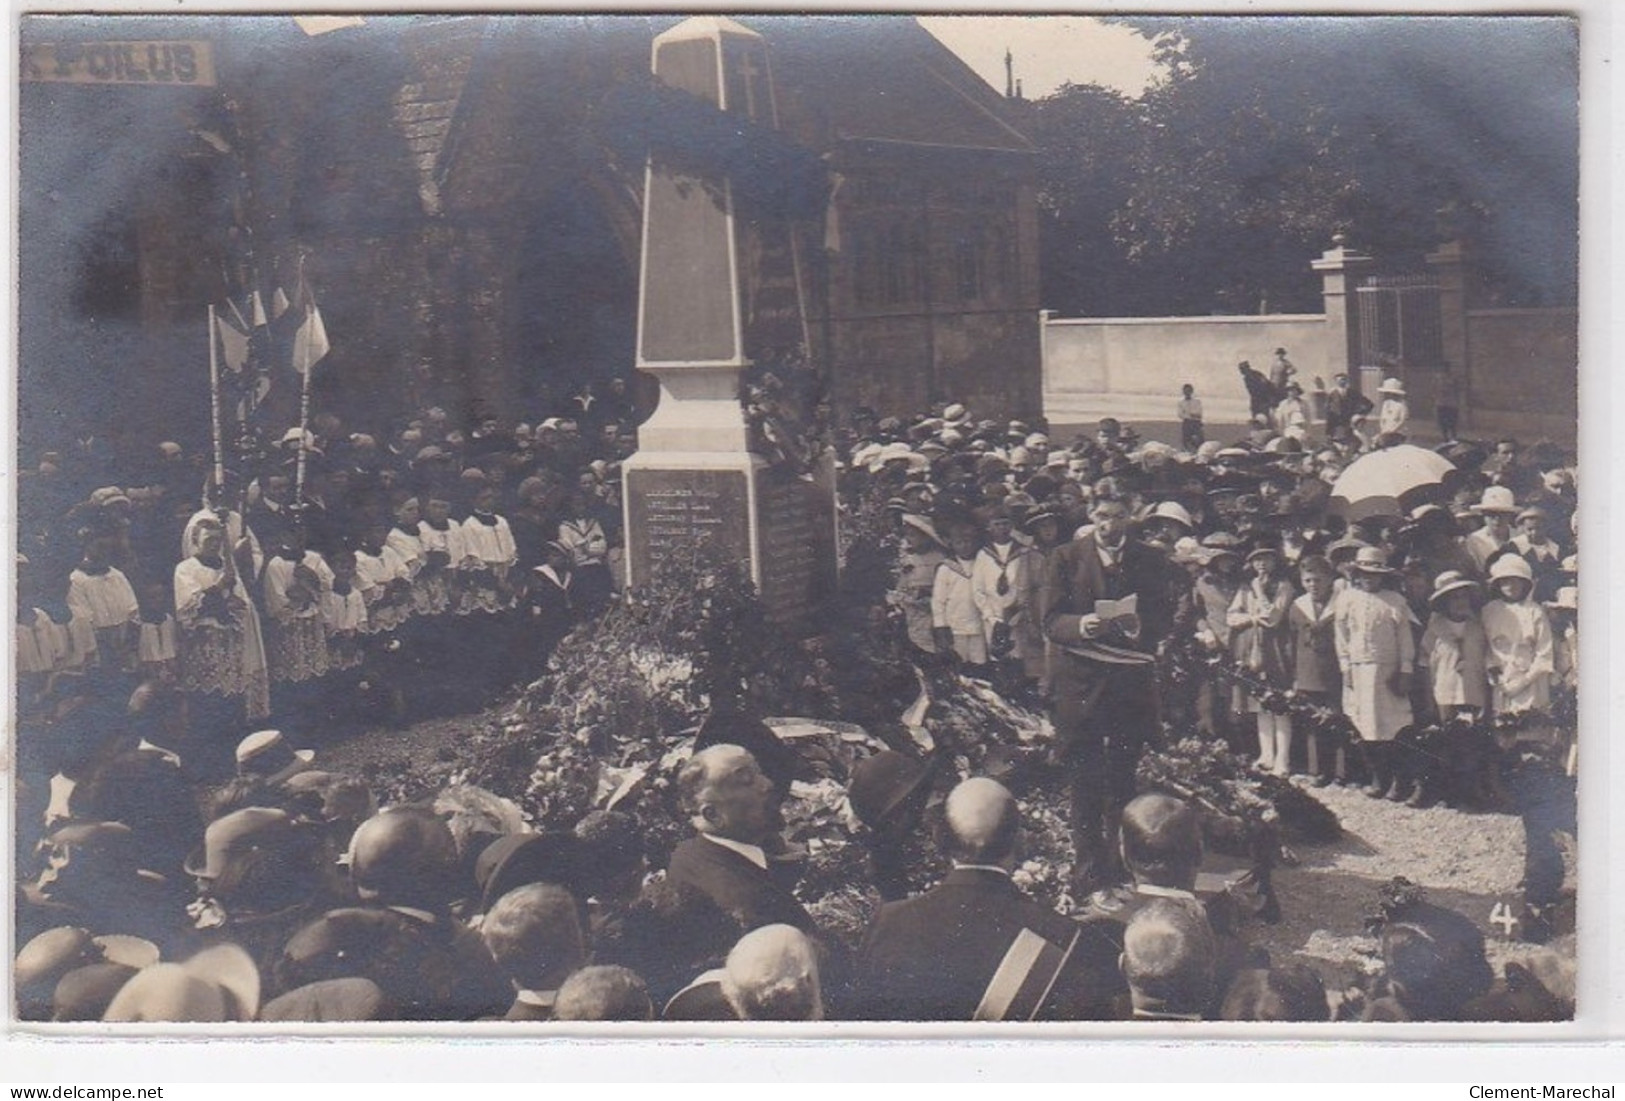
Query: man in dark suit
x=735 y=810
x=1103 y=678
x=1162 y=849
x=404 y=867
x=534 y=934
x=974 y=947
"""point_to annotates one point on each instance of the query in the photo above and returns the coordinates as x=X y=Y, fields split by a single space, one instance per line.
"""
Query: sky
x=1049 y=51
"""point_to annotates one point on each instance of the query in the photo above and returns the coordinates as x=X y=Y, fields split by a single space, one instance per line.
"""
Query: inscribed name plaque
x=671 y=513
x=796 y=532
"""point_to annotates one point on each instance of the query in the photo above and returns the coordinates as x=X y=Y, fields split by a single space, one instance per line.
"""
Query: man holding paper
x=1107 y=603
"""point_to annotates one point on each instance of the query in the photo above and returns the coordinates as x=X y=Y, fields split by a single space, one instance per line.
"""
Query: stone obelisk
x=713 y=287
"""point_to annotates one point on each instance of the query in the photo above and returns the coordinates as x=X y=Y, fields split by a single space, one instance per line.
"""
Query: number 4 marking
x=1502 y=915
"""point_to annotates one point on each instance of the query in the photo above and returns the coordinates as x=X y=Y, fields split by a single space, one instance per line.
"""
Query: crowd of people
x=301 y=902
x=187 y=874
x=1081 y=577
x=341 y=576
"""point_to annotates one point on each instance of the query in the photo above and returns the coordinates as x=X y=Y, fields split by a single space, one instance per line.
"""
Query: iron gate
x=1400 y=324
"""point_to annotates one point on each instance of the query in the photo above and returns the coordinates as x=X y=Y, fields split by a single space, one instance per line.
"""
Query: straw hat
x=921 y=524
x=217 y=984
x=1511 y=565
x=1173 y=510
x=1392 y=386
x=1568 y=597
x=1372 y=560
x=267 y=755
x=1497 y=499
x=1448 y=582
x=1187 y=549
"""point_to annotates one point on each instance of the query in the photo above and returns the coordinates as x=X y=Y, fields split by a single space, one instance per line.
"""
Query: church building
x=461 y=195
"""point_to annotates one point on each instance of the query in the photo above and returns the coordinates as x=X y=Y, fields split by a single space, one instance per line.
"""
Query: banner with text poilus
x=188 y=62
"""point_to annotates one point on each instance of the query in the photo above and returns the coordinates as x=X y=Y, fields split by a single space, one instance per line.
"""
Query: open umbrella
x=1389 y=482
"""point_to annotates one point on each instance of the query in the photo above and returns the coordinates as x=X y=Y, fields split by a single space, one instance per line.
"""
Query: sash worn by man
x=974 y=947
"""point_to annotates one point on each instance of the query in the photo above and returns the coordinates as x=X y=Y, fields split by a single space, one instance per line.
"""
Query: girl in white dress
x=1522 y=660
x=1376 y=654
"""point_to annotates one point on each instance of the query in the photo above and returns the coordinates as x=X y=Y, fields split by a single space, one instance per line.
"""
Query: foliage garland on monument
x=786 y=408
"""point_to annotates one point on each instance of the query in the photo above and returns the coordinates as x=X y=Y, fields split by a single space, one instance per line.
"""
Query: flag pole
x=304 y=413
x=214 y=411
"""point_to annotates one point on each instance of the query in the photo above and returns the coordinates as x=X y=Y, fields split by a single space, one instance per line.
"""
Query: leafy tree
x=1086 y=137
x=1266 y=135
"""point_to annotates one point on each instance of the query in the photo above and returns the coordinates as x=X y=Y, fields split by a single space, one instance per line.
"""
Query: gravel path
x=1468 y=862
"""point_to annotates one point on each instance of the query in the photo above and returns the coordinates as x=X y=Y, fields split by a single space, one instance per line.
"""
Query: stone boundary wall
x=1132 y=367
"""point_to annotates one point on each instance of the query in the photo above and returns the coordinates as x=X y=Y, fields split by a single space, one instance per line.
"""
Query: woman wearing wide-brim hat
x=1261 y=640
x=1376 y=653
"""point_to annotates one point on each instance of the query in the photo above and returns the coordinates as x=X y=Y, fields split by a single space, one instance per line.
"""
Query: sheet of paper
x=1114 y=609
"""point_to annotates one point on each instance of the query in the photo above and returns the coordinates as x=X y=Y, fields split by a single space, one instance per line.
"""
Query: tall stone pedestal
x=707 y=277
x=785 y=527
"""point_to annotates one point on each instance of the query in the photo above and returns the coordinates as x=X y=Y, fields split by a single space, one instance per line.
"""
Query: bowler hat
x=84 y=993
x=350 y=999
x=229 y=841
x=1038 y=516
x=522 y=858
x=883 y=782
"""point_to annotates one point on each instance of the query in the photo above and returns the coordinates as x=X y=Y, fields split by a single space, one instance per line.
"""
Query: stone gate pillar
x=1340 y=268
x=1450 y=267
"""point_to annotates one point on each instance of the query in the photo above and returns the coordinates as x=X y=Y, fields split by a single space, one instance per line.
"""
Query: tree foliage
x=1265 y=136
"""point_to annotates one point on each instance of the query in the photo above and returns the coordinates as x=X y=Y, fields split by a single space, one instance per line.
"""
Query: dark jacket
x=1110 y=917
x=738 y=887
x=428 y=966
x=1075 y=578
x=1314 y=649
x=932 y=957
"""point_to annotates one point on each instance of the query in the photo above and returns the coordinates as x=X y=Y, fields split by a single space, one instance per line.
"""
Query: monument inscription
x=672 y=512
x=796 y=533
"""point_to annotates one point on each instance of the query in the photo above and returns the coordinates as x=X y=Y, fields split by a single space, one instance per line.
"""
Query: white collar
x=1162 y=892
x=1306 y=602
x=958 y=867
x=752 y=853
